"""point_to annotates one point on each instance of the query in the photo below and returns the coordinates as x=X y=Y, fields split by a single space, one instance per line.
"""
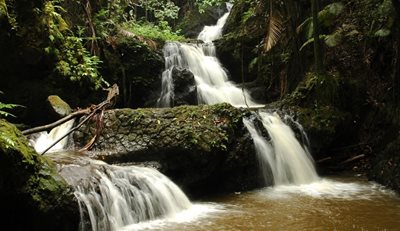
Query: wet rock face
x=185 y=90
x=201 y=148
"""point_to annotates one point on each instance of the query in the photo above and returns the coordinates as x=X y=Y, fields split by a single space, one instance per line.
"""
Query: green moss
x=315 y=90
x=30 y=182
x=207 y=128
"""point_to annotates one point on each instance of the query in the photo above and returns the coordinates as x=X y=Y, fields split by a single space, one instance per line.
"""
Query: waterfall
x=172 y=59
x=111 y=197
x=42 y=140
x=282 y=156
x=211 y=33
x=213 y=85
x=120 y=196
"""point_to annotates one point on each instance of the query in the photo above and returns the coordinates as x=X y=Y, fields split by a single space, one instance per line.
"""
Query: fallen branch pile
x=113 y=92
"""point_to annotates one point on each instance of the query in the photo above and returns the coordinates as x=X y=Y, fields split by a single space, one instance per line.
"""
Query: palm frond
x=274 y=30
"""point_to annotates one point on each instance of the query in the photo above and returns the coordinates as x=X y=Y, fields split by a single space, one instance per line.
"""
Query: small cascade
x=213 y=85
x=119 y=196
x=42 y=140
x=172 y=59
x=211 y=33
x=282 y=156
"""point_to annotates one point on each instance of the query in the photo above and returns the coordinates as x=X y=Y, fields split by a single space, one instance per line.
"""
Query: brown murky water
x=346 y=203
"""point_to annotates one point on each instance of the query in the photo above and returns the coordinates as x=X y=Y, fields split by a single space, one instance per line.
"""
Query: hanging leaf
x=274 y=30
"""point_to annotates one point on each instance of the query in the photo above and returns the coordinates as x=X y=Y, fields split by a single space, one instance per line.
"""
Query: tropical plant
x=312 y=25
x=7 y=106
x=73 y=60
x=202 y=5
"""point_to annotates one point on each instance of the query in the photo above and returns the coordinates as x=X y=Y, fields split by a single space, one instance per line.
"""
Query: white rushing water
x=213 y=85
x=283 y=156
x=43 y=140
x=122 y=196
x=111 y=197
x=172 y=59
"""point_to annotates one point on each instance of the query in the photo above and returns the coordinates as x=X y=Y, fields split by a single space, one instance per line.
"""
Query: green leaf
x=382 y=32
x=311 y=40
x=334 y=39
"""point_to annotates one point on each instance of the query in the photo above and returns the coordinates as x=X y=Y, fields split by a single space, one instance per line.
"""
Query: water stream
x=340 y=203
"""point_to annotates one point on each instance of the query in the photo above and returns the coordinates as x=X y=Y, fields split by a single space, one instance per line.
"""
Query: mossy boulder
x=33 y=194
x=200 y=147
x=59 y=106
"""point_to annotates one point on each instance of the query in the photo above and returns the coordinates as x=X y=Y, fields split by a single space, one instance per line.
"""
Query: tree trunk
x=318 y=58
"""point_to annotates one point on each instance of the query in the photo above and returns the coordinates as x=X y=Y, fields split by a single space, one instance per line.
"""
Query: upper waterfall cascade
x=213 y=85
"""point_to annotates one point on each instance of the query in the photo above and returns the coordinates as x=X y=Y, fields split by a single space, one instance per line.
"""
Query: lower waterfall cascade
x=122 y=196
x=282 y=158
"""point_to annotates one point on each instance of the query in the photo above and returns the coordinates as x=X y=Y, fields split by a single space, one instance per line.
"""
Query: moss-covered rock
x=59 y=106
x=199 y=147
x=32 y=193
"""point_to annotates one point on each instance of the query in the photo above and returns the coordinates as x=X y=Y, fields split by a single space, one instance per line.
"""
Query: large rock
x=33 y=195
x=201 y=148
x=185 y=90
x=59 y=106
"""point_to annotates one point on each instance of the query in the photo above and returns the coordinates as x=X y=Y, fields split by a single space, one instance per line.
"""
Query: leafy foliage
x=73 y=60
x=7 y=106
x=76 y=63
x=154 y=24
x=326 y=17
x=162 y=9
x=202 y=5
x=151 y=31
